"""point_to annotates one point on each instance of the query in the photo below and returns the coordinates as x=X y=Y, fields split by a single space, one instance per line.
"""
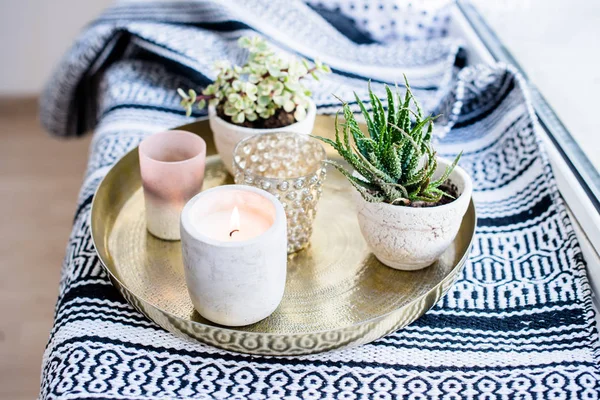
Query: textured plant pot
x=411 y=238
x=227 y=135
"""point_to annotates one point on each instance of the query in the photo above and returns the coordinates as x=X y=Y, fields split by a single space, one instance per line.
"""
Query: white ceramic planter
x=227 y=135
x=234 y=282
x=409 y=238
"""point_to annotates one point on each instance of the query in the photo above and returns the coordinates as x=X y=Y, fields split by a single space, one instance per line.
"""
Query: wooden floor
x=39 y=180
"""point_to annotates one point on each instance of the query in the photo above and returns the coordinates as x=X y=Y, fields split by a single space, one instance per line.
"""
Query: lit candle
x=229 y=226
x=234 y=223
x=234 y=246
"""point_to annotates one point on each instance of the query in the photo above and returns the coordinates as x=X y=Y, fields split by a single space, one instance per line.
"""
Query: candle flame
x=234 y=222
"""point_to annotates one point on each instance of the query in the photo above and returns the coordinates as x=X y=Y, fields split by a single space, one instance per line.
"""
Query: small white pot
x=227 y=135
x=411 y=238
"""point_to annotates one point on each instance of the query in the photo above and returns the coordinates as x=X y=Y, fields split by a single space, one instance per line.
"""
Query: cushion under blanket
x=518 y=323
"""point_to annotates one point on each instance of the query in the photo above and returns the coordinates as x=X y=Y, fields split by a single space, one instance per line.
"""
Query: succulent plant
x=265 y=83
x=395 y=162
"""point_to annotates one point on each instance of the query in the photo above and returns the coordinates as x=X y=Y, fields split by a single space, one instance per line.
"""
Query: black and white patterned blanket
x=519 y=322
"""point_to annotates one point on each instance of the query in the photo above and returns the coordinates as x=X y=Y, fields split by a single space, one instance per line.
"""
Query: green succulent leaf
x=370 y=126
x=447 y=172
x=265 y=83
x=300 y=113
x=394 y=159
x=368 y=191
x=289 y=105
x=182 y=93
x=239 y=118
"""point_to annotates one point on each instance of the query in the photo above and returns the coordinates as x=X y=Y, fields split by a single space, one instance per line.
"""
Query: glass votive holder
x=172 y=169
x=290 y=167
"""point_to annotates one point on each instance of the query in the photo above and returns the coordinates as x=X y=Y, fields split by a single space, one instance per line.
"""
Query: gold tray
x=337 y=293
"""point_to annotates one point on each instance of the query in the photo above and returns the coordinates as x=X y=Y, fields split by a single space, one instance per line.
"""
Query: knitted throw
x=519 y=322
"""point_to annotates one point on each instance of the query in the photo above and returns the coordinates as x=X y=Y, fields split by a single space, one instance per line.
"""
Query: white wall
x=34 y=34
x=556 y=43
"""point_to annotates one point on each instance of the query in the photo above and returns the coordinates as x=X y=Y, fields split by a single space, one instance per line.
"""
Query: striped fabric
x=519 y=322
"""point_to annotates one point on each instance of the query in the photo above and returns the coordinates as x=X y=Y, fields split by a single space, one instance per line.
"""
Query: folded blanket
x=519 y=322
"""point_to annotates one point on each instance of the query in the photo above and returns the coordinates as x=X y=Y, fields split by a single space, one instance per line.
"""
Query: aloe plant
x=265 y=83
x=395 y=161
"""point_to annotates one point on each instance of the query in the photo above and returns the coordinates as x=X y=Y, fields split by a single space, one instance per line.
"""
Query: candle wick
x=232 y=232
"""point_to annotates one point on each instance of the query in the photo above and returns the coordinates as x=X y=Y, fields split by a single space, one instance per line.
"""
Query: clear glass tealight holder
x=291 y=167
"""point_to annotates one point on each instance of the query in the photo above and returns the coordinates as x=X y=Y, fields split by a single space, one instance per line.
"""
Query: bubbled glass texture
x=290 y=167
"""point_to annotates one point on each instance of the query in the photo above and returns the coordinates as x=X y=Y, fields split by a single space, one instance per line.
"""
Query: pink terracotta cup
x=172 y=168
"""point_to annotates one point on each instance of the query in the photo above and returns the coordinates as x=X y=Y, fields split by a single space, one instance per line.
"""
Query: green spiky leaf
x=394 y=159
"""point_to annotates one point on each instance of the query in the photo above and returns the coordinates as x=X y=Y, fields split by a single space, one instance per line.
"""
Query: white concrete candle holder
x=234 y=248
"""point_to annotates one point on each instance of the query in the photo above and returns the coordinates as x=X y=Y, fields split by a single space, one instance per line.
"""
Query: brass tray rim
x=105 y=260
